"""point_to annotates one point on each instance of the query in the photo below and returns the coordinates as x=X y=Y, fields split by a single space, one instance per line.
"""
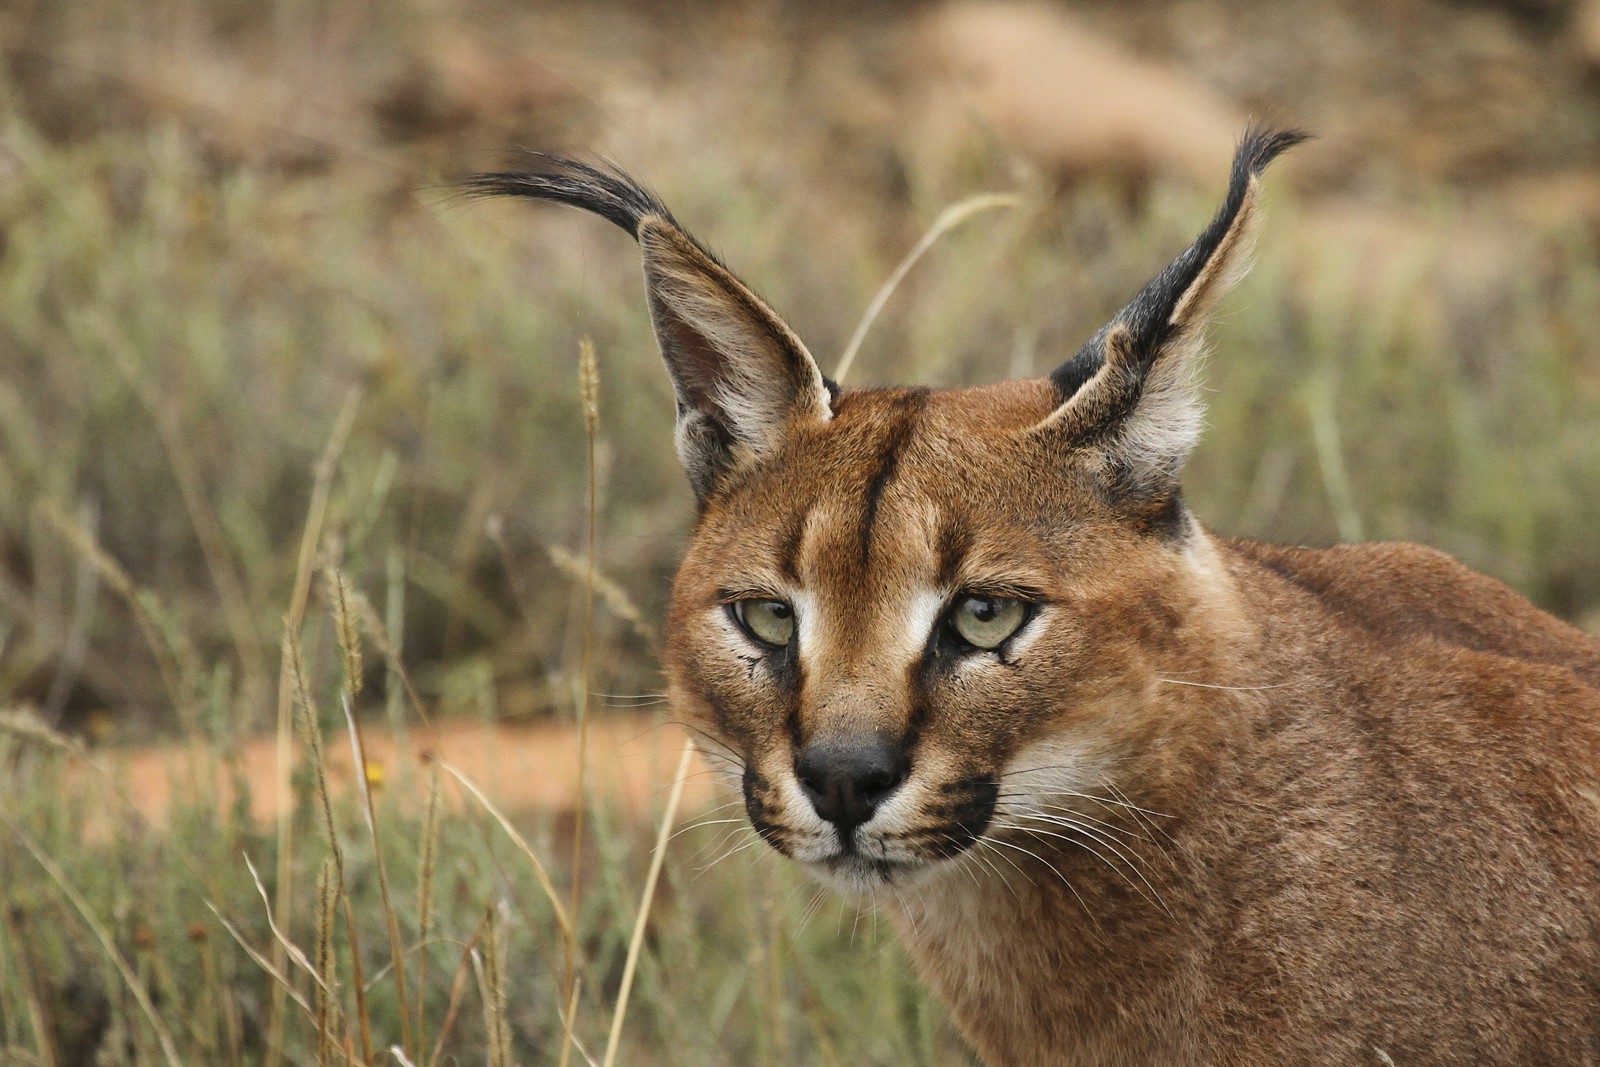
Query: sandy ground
x=631 y=760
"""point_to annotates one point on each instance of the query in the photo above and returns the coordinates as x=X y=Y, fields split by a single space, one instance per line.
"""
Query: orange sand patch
x=631 y=760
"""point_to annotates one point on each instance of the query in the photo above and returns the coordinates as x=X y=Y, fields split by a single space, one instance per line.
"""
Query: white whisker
x=734 y=851
x=1041 y=808
x=1230 y=688
x=1153 y=896
x=1142 y=814
x=812 y=909
x=721 y=841
x=1052 y=869
x=702 y=823
x=987 y=864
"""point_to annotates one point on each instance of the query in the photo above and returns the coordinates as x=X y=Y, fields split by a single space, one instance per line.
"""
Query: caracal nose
x=846 y=781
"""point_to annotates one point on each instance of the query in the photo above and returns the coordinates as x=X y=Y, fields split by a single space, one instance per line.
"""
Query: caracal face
x=909 y=631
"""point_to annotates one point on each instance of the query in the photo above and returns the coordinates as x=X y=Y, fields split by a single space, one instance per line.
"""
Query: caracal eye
x=986 y=621
x=770 y=622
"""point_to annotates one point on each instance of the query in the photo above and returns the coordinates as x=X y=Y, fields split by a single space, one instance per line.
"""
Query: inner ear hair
x=1130 y=391
x=741 y=376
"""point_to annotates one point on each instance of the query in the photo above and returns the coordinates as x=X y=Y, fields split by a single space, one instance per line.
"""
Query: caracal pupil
x=1133 y=794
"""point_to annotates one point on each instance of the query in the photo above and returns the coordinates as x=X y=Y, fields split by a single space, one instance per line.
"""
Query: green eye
x=986 y=621
x=770 y=622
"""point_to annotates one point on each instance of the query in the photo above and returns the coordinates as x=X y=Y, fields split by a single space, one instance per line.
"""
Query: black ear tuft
x=1150 y=318
x=741 y=377
x=1260 y=145
x=1130 y=393
x=604 y=189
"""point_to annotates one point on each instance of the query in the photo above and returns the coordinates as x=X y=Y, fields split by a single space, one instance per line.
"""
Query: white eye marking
x=922 y=617
x=807 y=618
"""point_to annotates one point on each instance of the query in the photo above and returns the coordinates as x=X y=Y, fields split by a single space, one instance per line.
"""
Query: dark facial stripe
x=789 y=548
x=955 y=540
x=759 y=811
x=908 y=406
x=962 y=813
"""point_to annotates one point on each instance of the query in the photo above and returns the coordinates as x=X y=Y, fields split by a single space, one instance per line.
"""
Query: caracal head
x=910 y=621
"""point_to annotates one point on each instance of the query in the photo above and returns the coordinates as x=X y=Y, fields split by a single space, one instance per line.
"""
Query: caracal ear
x=1130 y=392
x=742 y=377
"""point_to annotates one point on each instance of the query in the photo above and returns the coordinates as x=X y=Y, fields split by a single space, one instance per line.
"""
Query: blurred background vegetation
x=228 y=236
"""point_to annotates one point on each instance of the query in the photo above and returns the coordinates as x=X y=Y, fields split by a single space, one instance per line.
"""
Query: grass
x=95 y=932
x=225 y=377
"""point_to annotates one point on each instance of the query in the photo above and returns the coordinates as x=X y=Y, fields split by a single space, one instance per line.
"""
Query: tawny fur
x=1214 y=802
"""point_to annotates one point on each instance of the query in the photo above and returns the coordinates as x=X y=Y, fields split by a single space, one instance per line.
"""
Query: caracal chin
x=1132 y=793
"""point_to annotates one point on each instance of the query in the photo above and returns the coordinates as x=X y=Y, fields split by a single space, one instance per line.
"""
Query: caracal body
x=1133 y=794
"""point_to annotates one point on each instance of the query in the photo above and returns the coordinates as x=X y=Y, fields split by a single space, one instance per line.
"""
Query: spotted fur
x=1212 y=802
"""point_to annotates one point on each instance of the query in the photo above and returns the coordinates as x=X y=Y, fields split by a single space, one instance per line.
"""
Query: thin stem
x=948 y=219
x=637 y=941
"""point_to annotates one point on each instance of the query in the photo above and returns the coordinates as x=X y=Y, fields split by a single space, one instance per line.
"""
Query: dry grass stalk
x=23 y=722
x=358 y=981
x=311 y=734
x=569 y=941
x=613 y=595
x=391 y=919
x=310 y=537
x=378 y=634
x=394 y=605
x=589 y=389
x=589 y=385
x=948 y=219
x=494 y=1002
x=349 y=631
x=294 y=952
x=26 y=971
x=426 y=865
x=221 y=1004
x=458 y=989
x=169 y=1050
x=327 y=1001
x=568 y=1019
x=636 y=943
x=278 y=977
x=1330 y=462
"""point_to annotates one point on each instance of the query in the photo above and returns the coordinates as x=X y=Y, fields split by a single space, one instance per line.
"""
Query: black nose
x=847 y=780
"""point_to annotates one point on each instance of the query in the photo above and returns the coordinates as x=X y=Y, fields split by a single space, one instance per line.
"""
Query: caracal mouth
x=854 y=876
